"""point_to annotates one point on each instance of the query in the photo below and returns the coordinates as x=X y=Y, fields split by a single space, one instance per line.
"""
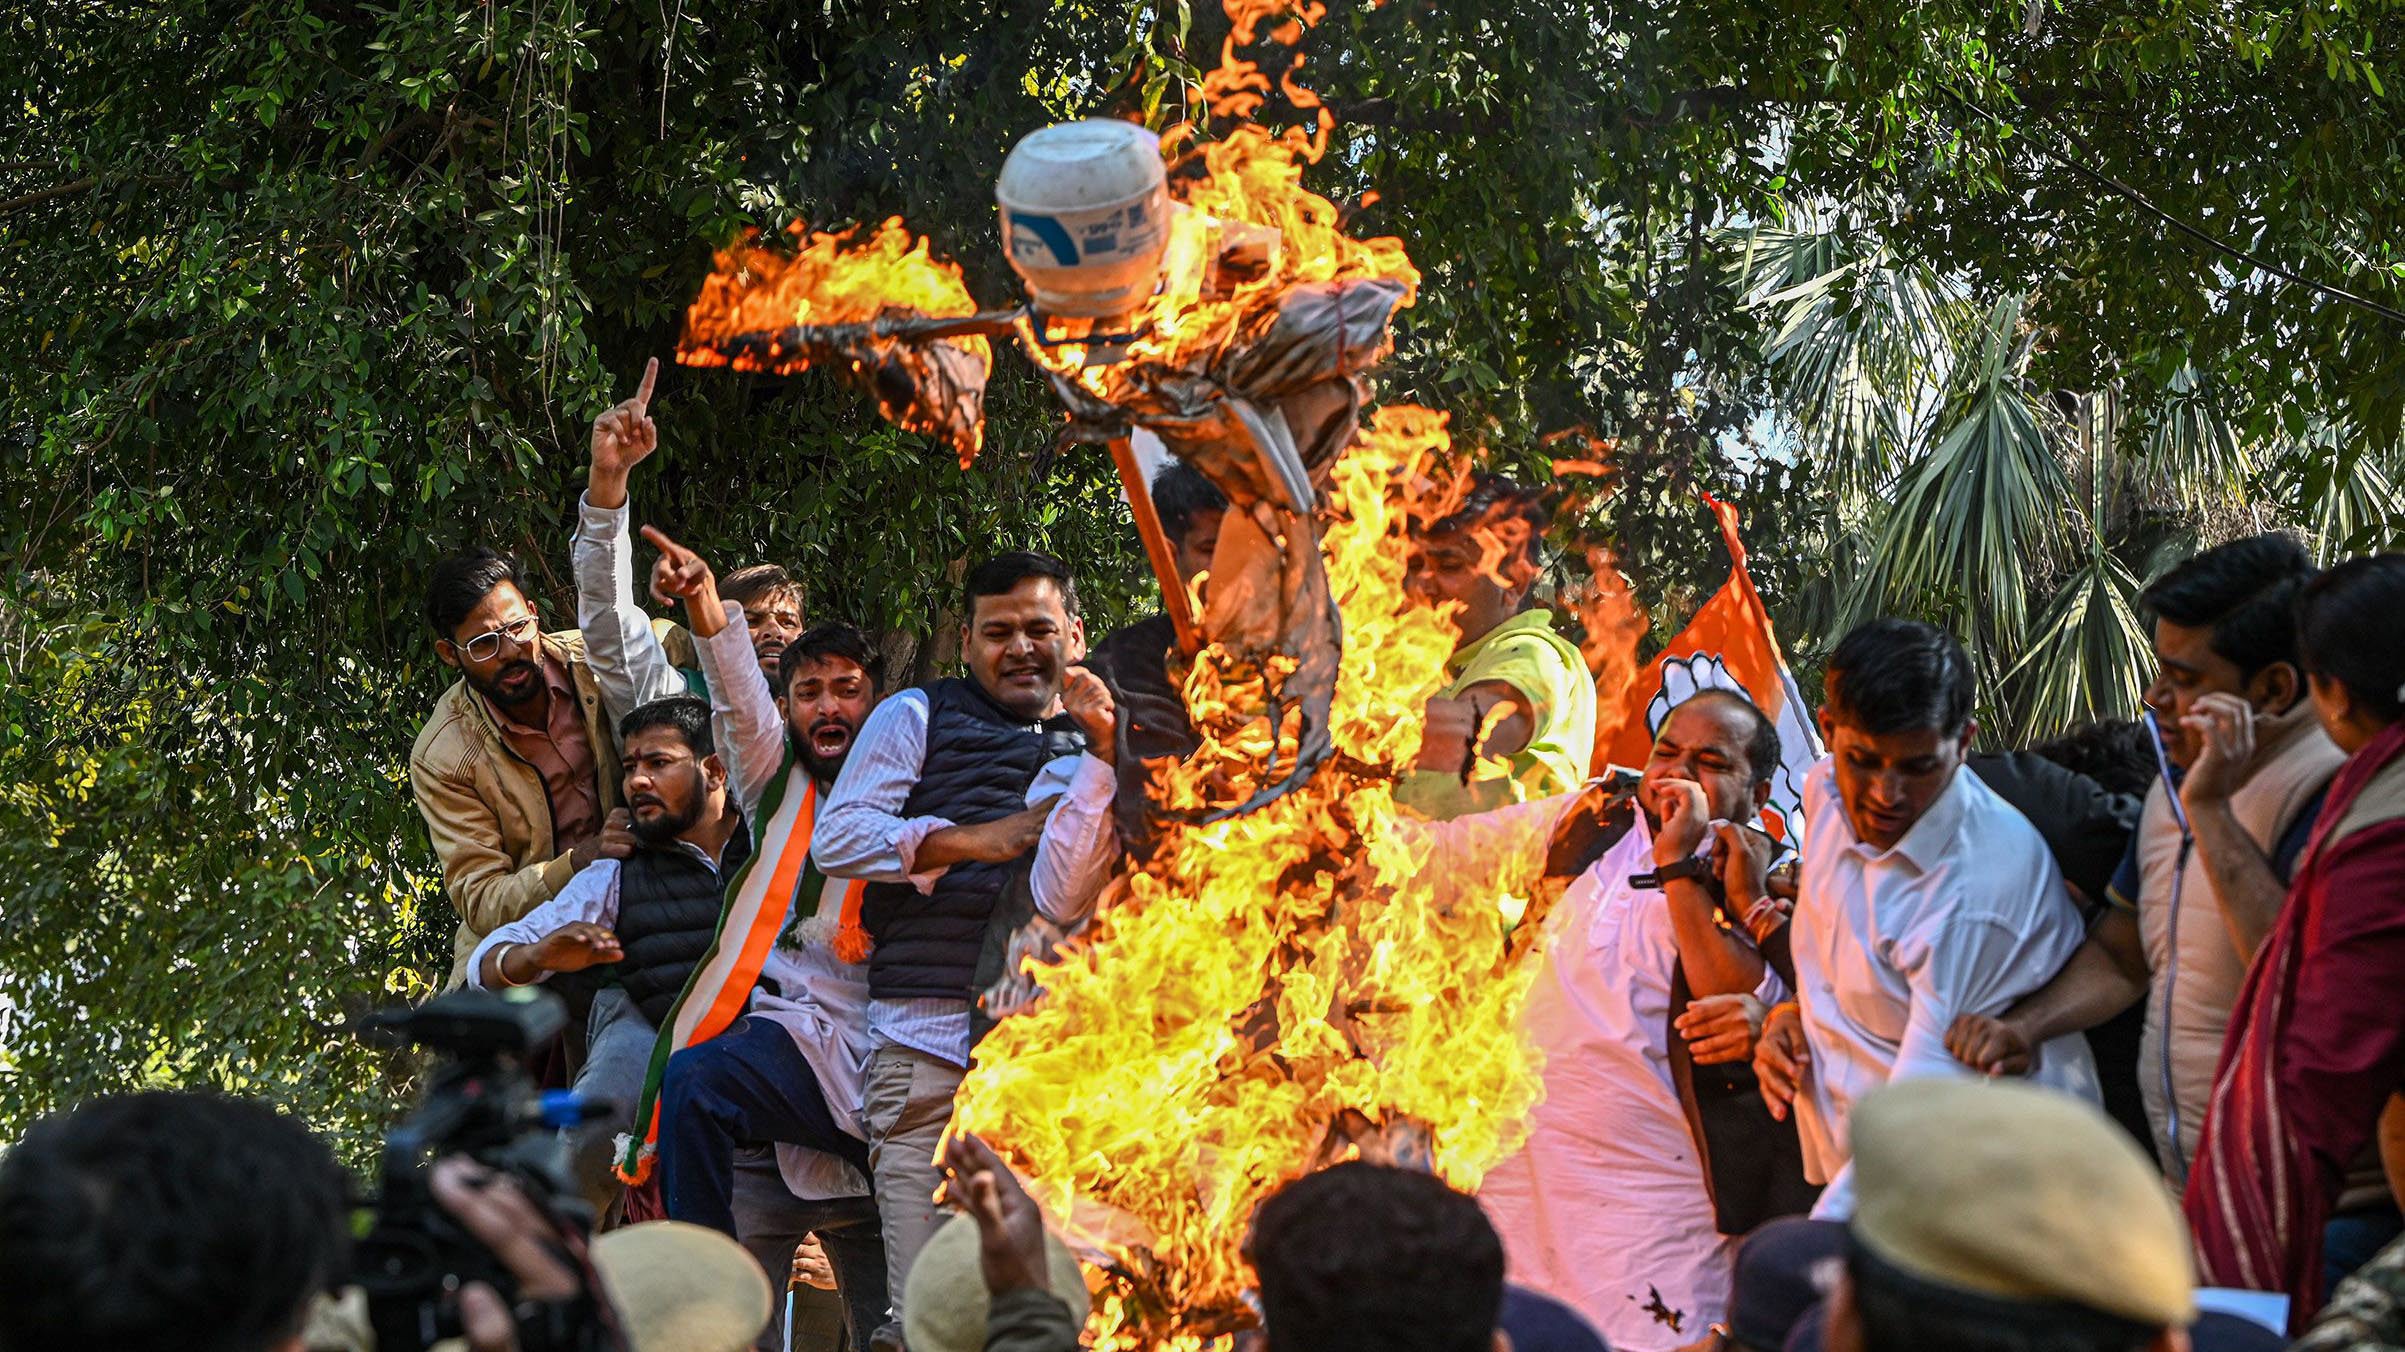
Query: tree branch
x=84 y=184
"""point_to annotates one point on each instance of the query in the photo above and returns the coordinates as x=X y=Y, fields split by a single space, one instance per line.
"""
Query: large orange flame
x=840 y=278
x=1267 y=980
x=1269 y=977
x=1298 y=983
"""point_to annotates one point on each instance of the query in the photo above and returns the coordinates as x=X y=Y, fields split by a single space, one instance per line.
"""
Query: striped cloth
x=777 y=892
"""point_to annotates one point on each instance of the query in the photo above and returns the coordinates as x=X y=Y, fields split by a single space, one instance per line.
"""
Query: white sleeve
x=591 y=895
x=1074 y=855
x=1479 y=857
x=627 y=660
x=745 y=720
x=1975 y=965
x=862 y=833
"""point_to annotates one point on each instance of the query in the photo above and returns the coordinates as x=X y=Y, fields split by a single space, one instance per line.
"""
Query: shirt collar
x=1520 y=623
x=1933 y=835
x=555 y=679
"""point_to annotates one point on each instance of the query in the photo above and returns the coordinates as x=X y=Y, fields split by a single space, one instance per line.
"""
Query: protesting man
x=1134 y=661
x=2207 y=870
x=786 y=975
x=635 y=660
x=649 y=916
x=1517 y=691
x=1924 y=897
x=934 y=812
x=1606 y=1206
x=788 y=949
x=516 y=770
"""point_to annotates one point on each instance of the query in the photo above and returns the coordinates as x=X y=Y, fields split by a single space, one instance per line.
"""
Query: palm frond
x=1970 y=516
x=2087 y=657
x=1860 y=346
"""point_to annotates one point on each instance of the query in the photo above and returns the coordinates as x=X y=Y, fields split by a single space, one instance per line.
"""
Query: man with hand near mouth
x=1924 y=896
x=948 y=792
x=650 y=916
x=1607 y=1207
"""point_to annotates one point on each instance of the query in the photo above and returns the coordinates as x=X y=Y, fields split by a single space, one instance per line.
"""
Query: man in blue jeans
x=785 y=1074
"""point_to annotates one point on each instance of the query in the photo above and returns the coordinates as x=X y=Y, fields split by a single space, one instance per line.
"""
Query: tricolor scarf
x=761 y=901
x=2270 y=1164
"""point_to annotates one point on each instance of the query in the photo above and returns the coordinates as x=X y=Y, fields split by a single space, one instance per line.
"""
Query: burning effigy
x=1288 y=980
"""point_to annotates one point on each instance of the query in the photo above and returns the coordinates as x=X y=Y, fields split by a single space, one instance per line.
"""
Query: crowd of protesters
x=2062 y=1047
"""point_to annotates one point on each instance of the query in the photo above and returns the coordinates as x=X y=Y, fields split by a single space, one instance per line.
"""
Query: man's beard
x=823 y=766
x=669 y=824
x=492 y=689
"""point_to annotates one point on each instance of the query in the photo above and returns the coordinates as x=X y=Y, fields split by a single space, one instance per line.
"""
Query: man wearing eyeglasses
x=506 y=771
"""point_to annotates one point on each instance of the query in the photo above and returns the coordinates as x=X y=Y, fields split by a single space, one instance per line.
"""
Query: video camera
x=480 y=1103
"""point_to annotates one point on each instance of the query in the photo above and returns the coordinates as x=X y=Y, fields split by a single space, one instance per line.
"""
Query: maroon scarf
x=2316 y=1046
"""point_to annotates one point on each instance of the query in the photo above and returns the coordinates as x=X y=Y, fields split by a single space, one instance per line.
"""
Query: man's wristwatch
x=1696 y=867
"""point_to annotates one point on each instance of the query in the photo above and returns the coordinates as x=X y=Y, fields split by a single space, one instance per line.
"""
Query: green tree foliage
x=304 y=294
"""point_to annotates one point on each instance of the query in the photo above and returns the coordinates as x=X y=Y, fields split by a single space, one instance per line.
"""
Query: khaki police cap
x=682 y=1288
x=2022 y=1193
x=945 y=1301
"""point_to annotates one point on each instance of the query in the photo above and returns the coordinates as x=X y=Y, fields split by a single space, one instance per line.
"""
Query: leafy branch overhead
x=305 y=295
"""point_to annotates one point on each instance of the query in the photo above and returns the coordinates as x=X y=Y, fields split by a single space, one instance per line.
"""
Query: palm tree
x=2025 y=519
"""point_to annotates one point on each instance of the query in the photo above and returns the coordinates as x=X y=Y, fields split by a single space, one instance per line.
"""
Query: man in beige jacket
x=2209 y=865
x=516 y=771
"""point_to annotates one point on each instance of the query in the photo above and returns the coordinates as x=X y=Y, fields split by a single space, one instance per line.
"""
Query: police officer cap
x=2019 y=1193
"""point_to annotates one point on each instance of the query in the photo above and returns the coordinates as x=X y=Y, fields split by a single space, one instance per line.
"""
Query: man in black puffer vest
x=652 y=914
x=957 y=794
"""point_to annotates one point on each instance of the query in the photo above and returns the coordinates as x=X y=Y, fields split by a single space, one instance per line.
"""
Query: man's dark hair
x=761 y=581
x=688 y=714
x=1494 y=498
x=166 y=1222
x=461 y=582
x=1900 y=676
x=1180 y=493
x=2115 y=752
x=830 y=640
x=999 y=574
x=2348 y=631
x=1903 y=1313
x=2244 y=592
x=1367 y=1258
x=1762 y=751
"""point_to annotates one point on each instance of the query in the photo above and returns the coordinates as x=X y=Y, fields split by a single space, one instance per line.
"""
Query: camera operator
x=194 y=1222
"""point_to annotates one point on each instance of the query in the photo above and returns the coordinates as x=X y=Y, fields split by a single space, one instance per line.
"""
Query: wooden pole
x=1174 y=596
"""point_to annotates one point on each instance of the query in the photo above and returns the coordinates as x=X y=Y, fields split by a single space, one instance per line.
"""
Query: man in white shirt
x=1606 y=1207
x=769 y=1035
x=950 y=787
x=1923 y=897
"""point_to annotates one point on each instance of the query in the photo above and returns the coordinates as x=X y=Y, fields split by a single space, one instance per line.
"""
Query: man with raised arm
x=767 y=1043
x=636 y=660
